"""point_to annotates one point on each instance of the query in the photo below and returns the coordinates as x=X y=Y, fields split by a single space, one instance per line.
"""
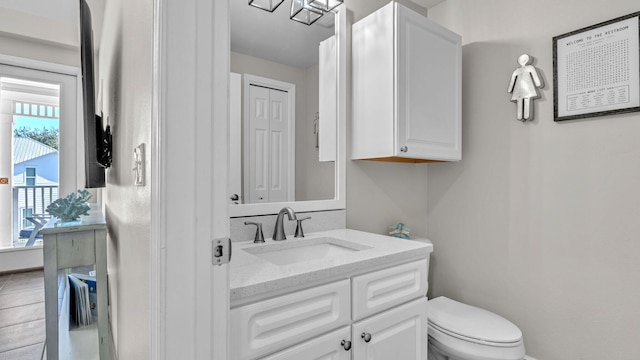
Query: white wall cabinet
x=406 y=88
x=319 y=323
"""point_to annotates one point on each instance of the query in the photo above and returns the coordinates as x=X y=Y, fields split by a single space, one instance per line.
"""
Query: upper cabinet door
x=406 y=88
x=428 y=88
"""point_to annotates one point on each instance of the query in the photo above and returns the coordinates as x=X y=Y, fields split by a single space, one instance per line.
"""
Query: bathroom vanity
x=341 y=294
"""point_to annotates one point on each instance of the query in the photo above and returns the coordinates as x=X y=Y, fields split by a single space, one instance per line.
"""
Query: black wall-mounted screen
x=93 y=131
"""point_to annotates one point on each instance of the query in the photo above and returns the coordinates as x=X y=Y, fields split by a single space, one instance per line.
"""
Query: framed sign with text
x=596 y=70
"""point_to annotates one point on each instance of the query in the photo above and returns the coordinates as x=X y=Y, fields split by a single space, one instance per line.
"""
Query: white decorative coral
x=71 y=207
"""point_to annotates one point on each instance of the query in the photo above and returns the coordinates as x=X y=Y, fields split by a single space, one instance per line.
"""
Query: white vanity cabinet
x=377 y=315
x=406 y=88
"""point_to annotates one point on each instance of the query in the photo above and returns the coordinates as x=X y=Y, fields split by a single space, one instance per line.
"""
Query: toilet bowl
x=462 y=332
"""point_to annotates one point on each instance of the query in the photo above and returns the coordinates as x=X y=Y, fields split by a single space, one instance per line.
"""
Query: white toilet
x=462 y=332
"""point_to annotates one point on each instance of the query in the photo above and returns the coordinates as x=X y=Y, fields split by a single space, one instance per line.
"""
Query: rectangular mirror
x=287 y=111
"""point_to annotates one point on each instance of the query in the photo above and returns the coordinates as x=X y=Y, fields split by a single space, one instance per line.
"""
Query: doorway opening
x=39 y=153
x=34 y=132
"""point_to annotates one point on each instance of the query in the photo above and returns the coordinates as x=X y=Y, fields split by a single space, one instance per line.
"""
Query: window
x=30 y=176
x=36 y=110
x=38 y=99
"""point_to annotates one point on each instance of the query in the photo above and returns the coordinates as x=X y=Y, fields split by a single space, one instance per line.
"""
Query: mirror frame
x=339 y=202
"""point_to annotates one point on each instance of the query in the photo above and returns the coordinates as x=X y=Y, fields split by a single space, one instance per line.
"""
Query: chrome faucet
x=278 y=231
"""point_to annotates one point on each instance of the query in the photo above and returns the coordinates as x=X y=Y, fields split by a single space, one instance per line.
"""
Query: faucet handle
x=259 y=238
x=299 y=232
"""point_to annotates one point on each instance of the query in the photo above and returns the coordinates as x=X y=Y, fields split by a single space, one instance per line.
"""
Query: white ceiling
x=274 y=37
x=254 y=32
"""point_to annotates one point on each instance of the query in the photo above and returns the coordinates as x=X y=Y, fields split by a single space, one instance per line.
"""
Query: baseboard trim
x=526 y=357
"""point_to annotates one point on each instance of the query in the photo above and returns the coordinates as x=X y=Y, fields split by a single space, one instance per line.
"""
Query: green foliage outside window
x=47 y=136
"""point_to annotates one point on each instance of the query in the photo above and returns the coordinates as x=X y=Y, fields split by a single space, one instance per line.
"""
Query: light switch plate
x=138 y=165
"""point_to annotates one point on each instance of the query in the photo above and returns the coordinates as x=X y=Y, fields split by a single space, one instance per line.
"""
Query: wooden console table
x=70 y=246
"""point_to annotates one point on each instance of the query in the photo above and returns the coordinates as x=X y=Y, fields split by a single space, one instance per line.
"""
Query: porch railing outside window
x=29 y=201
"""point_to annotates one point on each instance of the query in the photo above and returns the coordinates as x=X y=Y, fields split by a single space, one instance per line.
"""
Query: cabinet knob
x=346 y=344
x=366 y=337
x=404 y=149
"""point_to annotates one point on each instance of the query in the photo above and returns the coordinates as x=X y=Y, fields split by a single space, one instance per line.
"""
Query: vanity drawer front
x=380 y=290
x=271 y=325
x=325 y=347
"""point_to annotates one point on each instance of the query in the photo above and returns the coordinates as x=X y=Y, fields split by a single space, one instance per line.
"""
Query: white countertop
x=251 y=276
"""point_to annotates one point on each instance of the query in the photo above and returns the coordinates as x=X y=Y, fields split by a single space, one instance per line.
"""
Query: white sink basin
x=295 y=251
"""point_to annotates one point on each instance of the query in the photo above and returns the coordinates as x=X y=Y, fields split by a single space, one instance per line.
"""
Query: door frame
x=76 y=166
x=70 y=166
x=189 y=297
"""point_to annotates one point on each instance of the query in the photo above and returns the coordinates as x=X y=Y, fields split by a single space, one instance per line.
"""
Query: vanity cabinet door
x=333 y=346
x=268 y=326
x=399 y=333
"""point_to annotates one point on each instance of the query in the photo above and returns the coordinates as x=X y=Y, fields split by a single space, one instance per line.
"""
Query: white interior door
x=269 y=166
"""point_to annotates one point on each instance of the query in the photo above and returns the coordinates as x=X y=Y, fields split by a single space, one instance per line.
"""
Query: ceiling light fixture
x=302 y=12
x=325 y=5
x=268 y=5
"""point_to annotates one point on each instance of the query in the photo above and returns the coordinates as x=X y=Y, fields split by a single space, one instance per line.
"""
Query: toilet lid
x=471 y=322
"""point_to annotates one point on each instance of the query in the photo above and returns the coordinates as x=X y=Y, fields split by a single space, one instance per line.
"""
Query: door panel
x=269 y=162
x=279 y=126
x=426 y=124
x=258 y=161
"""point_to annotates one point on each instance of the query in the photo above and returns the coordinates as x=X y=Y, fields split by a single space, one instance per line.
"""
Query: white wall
x=315 y=180
x=539 y=221
x=32 y=30
x=125 y=72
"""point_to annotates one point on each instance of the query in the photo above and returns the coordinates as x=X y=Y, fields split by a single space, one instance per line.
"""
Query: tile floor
x=22 y=325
